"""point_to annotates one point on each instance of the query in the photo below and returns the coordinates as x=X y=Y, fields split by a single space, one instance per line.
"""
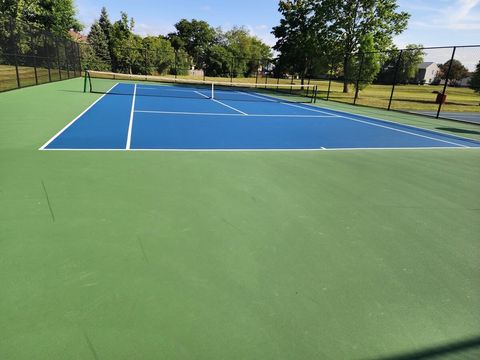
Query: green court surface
x=362 y=254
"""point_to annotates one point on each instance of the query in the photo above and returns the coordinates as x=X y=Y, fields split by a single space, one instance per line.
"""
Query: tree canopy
x=309 y=27
x=457 y=71
x=475 y=80
x=57 y=16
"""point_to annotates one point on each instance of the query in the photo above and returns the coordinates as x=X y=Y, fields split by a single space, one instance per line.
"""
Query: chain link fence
x=30 y=55
x=435 y=81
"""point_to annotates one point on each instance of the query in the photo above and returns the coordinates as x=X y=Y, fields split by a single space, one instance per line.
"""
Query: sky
x=432 y=22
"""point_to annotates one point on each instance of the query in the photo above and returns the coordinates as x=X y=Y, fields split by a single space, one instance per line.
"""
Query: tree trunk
x=345 y=74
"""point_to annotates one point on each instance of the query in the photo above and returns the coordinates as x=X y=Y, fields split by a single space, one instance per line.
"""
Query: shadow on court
x=459 y=131
x=464 y=349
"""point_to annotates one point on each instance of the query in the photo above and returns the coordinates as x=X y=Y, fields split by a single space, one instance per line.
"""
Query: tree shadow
x=464 y=349
x=459 y=131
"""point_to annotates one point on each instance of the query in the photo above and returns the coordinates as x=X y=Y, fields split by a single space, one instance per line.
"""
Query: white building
x=427 y=72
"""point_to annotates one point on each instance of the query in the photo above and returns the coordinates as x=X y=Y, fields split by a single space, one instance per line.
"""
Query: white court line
x=221 y=103
x=391 y=122
x=285 y=103
x=199 y=93
x=390 y=128
x=78 y=117
x=130 y=124
x=229 y=114
x=279 y=150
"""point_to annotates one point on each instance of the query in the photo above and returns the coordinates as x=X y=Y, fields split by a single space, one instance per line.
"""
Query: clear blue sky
x=433 y=22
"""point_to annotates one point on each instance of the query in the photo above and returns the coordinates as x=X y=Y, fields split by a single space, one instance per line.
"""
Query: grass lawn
x=231 y=255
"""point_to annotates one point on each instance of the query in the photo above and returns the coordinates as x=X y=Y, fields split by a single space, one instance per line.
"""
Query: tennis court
x=368 y=252
x=145 y=116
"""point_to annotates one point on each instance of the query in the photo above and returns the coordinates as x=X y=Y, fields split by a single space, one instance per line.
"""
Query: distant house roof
x=425 y=65
x=78 y=37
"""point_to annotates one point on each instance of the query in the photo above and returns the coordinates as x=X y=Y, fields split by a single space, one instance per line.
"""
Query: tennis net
x=148 y=85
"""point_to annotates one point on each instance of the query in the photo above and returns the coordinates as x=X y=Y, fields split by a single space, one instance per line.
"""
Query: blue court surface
x=168 y=117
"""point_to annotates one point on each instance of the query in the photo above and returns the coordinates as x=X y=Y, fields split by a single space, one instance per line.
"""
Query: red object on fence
x=441 y=99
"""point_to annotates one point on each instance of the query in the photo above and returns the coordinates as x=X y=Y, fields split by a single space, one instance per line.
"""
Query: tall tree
x=366 y=65
x=194 y=37
x=99 y=43
x=354 y=18
x=57 y=16
x=104 y=23
x=339 y=25
x=125 y=45
x=297 y=37
x=475 y=80
x=160 y=55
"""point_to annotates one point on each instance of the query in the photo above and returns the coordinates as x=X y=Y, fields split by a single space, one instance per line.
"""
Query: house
x=77 y=37
x=465 y=82
x=427 y=72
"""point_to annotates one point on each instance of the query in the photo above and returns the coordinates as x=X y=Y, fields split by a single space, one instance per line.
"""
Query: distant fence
x=431 y=81
x=30 y=55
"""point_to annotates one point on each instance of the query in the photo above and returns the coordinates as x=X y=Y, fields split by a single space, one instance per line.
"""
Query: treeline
x=195 y=45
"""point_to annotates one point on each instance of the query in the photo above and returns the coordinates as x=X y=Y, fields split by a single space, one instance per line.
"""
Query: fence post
x=446 y=82
x=176 y=63
x=395 y=79
x=231 y=69
x=34 y=57
x=256 y=77
x=47 y=53
x=58 y=59
x=358 y=79
x=145 y=55
x=15 y=51
x=79 y=58
x=66 y=58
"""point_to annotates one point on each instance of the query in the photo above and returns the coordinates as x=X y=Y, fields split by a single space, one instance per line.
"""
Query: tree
x=475 y=80
x=125 y=45
x=159 y=55
x=219 y=61
x=247 y=51
x=367 y=64
x=57 y=16
x=457 y=71
x=99 y=43
x=104 y=23
x=297 y=37
x=106 y=27
x=338 y=25
x=194 y=37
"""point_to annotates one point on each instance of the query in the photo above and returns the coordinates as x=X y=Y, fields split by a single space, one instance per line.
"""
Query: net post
x=213 y=91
